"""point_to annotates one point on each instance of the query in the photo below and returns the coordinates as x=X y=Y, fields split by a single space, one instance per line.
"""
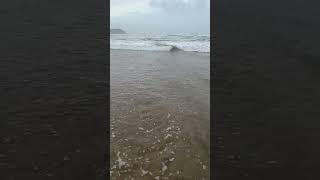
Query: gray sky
x=167 y=16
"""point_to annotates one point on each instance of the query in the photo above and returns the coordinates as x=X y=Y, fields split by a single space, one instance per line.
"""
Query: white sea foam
x=161 y=42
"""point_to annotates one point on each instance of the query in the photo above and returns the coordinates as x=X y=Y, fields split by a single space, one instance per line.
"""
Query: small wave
x=175 y=49
x=171 y=43
x=156 y=46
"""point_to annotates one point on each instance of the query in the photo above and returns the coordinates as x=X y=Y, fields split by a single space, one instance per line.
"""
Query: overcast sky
x=167 y=16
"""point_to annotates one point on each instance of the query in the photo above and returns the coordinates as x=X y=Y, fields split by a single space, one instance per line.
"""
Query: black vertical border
x=54 y=89
x=107 y=2
x=212 y=58
x=265 y=80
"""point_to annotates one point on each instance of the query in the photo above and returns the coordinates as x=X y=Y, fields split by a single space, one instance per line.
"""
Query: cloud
x=179 y=4
x=161 y=15
x=126 y=7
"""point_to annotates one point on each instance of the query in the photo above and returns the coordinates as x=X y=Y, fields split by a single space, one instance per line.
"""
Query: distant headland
x=117 y=31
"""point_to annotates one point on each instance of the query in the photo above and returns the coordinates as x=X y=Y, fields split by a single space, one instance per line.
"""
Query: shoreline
x=159 y=114
x=181 y=51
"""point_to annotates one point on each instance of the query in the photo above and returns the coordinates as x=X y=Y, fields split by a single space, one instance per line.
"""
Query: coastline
x=160 y=114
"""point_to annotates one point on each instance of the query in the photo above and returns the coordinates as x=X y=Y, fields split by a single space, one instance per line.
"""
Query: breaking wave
x=172 y=43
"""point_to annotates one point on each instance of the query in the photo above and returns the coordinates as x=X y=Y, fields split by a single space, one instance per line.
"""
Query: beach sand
x=160 y=124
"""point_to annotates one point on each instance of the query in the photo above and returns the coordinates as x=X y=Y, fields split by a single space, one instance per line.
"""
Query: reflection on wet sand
x=159 y=115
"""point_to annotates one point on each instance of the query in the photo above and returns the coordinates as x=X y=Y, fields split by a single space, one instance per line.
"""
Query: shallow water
x=160 y=115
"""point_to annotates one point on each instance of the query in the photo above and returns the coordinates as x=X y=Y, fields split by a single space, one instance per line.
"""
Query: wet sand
x=160 y=119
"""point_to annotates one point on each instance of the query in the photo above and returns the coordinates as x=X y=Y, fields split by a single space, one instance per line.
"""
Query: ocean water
x=161 y=42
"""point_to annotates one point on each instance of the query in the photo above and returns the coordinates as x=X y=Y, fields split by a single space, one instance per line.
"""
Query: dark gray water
x=160 y=115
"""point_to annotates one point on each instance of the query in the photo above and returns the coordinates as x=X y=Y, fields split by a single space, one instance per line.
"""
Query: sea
x=161 y=42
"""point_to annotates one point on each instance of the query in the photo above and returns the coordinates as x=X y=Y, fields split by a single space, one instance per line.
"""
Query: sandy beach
x=160 y=115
